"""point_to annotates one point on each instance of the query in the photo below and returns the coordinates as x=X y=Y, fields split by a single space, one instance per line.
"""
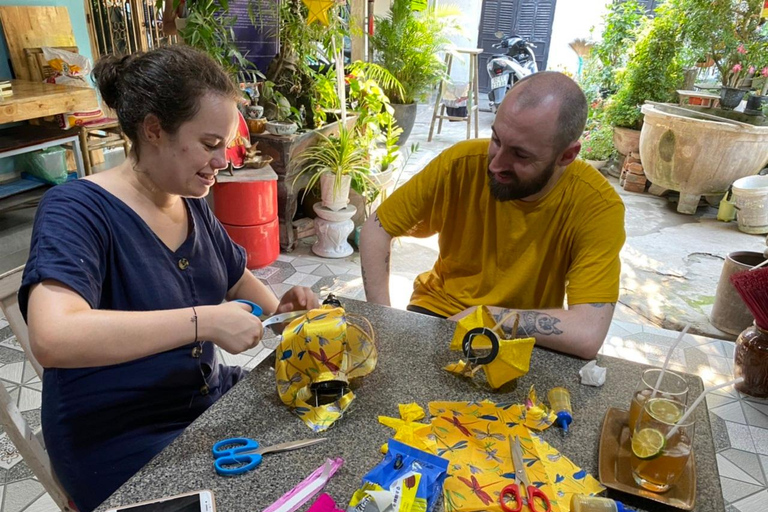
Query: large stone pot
x=697 y=153
x=626 y=140
x=405 y=115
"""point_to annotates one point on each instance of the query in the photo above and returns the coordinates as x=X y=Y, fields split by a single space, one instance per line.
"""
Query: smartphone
x=198 y=501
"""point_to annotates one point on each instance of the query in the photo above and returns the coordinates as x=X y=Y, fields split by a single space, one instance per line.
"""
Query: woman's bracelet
x=194 y=319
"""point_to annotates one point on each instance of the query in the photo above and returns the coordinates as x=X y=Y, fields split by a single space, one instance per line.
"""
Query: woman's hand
x=298 y=298
x=230 y=326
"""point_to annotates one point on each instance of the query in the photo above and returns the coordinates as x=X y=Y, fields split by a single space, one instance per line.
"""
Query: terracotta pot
x=626 y=140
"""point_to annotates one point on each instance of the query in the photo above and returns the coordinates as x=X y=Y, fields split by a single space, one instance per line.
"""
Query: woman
x=127 y=273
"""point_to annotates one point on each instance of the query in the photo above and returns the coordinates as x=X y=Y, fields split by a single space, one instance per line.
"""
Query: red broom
x=752 y=285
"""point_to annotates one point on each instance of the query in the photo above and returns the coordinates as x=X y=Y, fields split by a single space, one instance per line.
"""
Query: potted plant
x=759 y=98
x=653 y=73
x=597 y=145
x=408 y=43
x=335 y=162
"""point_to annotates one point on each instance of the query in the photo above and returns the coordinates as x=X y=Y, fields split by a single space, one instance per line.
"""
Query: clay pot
x=626 y=140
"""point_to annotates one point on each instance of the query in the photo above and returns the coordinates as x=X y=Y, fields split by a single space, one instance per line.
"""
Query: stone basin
x=700 y=152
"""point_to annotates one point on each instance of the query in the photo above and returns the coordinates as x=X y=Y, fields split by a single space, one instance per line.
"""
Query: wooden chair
x=94 y=138
x=30 y=444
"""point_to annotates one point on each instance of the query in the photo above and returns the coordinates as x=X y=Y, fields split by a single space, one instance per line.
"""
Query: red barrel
x=246 y=204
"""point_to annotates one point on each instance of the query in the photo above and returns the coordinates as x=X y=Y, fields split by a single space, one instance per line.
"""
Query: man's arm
x=375 y=251
x=579 y=331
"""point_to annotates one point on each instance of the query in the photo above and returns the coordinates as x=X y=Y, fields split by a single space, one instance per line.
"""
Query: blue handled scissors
x=239 y=455
x=274 y=320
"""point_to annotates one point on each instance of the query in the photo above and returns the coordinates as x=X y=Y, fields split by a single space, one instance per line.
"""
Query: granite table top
x=413 y=349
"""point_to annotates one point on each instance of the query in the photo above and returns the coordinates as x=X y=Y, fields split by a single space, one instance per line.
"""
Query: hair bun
x=108 y=75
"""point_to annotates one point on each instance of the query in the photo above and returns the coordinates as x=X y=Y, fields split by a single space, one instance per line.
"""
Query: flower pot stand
x=332 y=229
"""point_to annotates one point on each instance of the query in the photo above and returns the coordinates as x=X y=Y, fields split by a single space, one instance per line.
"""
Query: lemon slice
x=665 y=410
x=648 y=443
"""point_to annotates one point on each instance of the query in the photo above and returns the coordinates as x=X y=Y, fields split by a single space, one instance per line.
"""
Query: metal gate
x=124 y=27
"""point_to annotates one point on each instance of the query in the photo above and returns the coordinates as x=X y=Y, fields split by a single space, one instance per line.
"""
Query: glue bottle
x=584 y=503
x=560 y=403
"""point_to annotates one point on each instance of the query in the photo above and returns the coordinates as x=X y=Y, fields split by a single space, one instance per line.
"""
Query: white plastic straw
x=764 y=263
x=666 y=361
x=698 y=401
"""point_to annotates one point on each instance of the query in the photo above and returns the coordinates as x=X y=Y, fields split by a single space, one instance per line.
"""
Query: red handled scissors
x=511 y=494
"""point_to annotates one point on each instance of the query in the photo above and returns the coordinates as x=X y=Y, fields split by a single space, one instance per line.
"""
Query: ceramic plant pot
x=334 y=200
x=281 y=127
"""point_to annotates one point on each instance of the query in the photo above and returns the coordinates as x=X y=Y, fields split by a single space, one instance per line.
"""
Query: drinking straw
x=764 y=263
x=666 y=361
x=698 y=401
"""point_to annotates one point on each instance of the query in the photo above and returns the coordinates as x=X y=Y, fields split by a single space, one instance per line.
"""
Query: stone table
x=412 y=352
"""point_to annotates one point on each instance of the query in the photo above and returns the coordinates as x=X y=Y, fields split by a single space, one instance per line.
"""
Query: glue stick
x=583 y=503
x=560 y=403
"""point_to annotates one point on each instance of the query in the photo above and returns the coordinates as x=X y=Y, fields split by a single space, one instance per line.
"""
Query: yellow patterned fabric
x=318 y=347
x=512 y=361
x=474 y=437
x=408 y=430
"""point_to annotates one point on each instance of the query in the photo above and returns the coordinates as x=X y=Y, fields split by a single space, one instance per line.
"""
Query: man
x=521 y=223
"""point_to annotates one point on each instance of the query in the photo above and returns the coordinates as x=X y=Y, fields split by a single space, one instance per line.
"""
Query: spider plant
x=340 y=155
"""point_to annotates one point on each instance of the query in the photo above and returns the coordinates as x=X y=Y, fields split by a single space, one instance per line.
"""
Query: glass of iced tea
x=673 y=387
x=660 y=447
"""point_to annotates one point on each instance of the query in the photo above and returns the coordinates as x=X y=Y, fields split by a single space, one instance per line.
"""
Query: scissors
x=278 y=319
x=239 y=455
x=513 y=491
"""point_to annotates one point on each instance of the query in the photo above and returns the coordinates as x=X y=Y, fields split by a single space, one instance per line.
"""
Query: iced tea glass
x=660 y=451
x=673 y=386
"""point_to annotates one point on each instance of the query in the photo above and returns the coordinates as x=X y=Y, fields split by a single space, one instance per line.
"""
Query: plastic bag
x=48 y=165
x=407 y=480
x=70 y=68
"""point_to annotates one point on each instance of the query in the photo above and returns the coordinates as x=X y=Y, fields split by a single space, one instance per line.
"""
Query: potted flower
x=597 y=145
x=335 y=161
x=759 y=99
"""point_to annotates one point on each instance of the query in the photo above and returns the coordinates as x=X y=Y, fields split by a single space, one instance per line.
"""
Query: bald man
x=522 y=224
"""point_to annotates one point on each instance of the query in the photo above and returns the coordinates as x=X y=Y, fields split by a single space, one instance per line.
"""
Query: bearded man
x=523 y=225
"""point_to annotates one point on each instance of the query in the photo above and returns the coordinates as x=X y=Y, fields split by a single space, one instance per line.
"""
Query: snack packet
x=407 y=480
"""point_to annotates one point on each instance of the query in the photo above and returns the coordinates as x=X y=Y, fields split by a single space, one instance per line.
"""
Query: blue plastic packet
x=407 y=480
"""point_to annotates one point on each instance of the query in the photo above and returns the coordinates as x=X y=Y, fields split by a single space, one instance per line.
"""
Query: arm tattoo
x=534 y=322
x=376 y=218
x=531 y=323
x=601 y=304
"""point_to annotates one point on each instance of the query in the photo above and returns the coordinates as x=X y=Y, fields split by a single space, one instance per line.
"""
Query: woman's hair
x=167 y=82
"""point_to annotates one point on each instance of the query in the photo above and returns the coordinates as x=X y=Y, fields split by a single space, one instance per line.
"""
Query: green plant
x=340 y=155
x=407 y=43
x=621 y=22
x=209 y=28
x=654 y=70
x=597 y=144
x=276 y=106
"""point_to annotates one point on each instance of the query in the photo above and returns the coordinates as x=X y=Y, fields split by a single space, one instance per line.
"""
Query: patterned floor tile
x=661 y=332
x=13 y=372
x=235 y=359
x=728 y=469
x=43 y=504
x=322 y=271
x=19 y=495
x=301 y=279
x=280 y=289
x=747 y=462
x=729 y=348
x=713 y=349
x=714 y=400
x=9 y=455
x=265 y=272
x=719 y=433
x=740 y=437
x=285 y=258
x=305 y=269
x=731 y=412
x=284 y=270
x=754 y=415
x=29 y=399
x=760 y=438
x=720 y=365
x=338 y=269
x=30 y=374
x=735 y=490
x=758 y=502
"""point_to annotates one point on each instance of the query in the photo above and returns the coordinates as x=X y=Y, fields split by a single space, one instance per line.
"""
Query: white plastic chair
x=30 y=444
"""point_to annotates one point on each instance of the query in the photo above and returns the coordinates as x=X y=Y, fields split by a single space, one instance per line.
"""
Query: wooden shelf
x=32 y=100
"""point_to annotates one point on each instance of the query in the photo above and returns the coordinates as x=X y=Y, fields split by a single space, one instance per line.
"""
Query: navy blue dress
x=101 y=425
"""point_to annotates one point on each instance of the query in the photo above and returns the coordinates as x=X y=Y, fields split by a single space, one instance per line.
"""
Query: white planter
x=597 y=164
x=332 y=199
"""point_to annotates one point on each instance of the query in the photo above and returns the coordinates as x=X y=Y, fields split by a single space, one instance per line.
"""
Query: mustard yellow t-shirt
x=514 y=254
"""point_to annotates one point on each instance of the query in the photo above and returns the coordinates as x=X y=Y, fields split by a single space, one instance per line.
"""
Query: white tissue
x=592 y=375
